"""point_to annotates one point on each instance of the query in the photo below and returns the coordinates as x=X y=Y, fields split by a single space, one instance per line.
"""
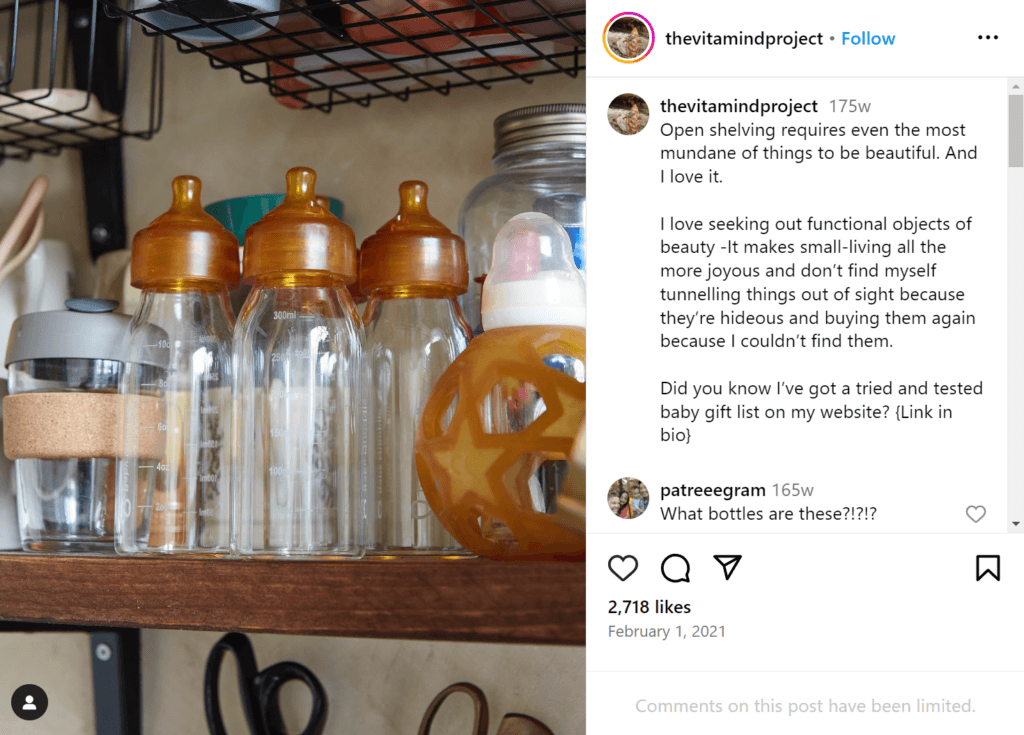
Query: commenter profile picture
x=628 y=114
x=628 y=498
x=628 y=37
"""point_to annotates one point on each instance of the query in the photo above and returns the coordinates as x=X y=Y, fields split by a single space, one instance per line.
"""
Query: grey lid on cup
x=88 y=330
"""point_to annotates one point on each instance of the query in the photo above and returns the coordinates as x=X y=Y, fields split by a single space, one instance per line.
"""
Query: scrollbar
x=1015 y=304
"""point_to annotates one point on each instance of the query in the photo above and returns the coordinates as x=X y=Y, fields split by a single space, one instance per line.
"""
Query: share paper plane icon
x=729 y=563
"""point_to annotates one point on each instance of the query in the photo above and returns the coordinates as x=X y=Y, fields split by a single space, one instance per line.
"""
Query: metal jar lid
x=88 y=330
x=557 y=123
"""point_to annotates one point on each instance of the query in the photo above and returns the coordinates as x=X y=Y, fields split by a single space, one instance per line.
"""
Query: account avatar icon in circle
x=628 y=38
x=628 y=498
x=628 y=114
x=29 y=702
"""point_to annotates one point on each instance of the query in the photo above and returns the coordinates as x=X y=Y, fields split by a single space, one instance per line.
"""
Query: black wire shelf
x=64 y=78
x=323 y=53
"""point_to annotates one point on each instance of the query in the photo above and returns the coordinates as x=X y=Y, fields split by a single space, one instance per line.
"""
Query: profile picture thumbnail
x=628 y=114
x=628 y=498
x=628 y=37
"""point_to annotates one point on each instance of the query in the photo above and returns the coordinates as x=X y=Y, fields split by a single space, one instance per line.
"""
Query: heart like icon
x=975 y=512
x=623 y=567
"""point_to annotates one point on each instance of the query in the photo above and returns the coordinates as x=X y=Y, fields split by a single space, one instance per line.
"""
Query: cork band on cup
x=72 y=425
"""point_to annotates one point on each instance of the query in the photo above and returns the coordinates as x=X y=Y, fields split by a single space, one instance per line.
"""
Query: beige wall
x=373 y=687
x=239 y=141
x=60 y=664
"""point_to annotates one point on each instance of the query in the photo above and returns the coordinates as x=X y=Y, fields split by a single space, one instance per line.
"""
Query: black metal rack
x=322 y=53
x=64 y=78
x=116 y=673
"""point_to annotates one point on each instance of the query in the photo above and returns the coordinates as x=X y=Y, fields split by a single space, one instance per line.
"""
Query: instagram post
x=293 y=316
x=296 y=298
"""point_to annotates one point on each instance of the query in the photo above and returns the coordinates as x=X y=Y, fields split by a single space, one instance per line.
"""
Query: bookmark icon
x=988 y=565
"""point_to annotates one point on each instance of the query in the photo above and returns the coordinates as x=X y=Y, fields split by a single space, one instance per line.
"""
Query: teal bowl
x=238 y=214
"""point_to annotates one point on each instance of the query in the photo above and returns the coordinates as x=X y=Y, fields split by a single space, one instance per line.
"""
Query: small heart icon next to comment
x=975 y=512
x=623 y=567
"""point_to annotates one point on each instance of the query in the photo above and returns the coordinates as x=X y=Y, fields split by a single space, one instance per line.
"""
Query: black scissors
x=259 y=690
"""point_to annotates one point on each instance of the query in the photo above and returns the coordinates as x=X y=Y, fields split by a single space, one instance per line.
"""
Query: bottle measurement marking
x=277 y=471
x=164 y=344
x=203 y=479
x=290 y=355
x=204 y=476
x=277 y=394
x=207 y=444
x=300 y=394
x=166 y=384
x=202 y=512
x=282 y=433
x=284 y=315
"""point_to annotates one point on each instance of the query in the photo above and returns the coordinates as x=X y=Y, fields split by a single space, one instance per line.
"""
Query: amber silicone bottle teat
x=298 y=389
x=299 y=239
x=177 y=385
x=413 y=254
x=413 y=269
x=499 y=426
x=184 y=246
x=353 y=288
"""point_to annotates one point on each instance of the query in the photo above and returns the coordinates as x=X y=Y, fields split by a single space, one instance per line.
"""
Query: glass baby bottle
x=412 y=269
x=298 y=383
x=496 y=431
x=174 y=471
x=533 y=282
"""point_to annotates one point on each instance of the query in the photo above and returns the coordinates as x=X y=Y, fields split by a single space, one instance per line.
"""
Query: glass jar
x=179 y=501
x=9 y=537
x=413 y=269
x=61 y=424
x=540 y=165
x=298 y=397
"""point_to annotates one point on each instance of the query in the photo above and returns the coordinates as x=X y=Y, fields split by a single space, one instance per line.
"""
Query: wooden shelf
x=456 y=600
